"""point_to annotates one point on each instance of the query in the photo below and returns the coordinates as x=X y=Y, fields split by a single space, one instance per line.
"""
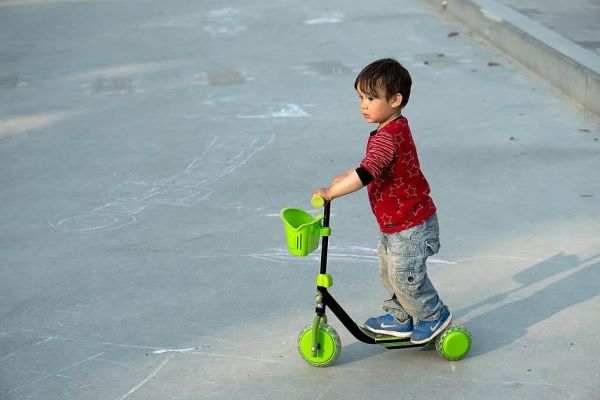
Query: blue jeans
x=402 y=269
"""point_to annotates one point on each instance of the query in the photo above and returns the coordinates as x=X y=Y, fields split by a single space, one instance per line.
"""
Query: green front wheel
x=328 y=348
x=454 y=343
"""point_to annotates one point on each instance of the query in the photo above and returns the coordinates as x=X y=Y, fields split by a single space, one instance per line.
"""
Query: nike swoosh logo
x=434 y=328
x=384 y=325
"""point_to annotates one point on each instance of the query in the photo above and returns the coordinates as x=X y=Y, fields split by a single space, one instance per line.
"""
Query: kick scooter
x=318 y=343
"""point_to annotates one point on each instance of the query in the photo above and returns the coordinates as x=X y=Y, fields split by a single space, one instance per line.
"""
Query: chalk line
x=147 y=378
x=287 y=111
x=162 y=351
x=184 y=189
x=9 y=355
x=332 y=17
x=44 y=377
x=347 y=254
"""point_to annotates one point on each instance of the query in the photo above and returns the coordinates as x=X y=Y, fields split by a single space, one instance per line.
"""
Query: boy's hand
x=341 y=186
x=324 y=193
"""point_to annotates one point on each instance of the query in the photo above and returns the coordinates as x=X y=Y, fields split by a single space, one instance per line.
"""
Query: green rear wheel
x=328 y=348
x=454 y=343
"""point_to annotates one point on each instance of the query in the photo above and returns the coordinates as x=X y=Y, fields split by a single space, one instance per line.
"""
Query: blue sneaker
x=388 y=325
x=425 y=331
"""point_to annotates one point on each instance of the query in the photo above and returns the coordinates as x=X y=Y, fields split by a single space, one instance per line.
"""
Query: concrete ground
x=577 y=20
x=147 y=147
x=555 y=40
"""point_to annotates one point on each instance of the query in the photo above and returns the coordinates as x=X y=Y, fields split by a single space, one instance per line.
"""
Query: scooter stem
x=325 y=239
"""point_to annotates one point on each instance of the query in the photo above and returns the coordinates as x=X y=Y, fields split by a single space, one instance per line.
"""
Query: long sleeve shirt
x=398 y=190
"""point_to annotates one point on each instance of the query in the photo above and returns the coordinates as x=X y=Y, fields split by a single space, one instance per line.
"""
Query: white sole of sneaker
x=401 y=335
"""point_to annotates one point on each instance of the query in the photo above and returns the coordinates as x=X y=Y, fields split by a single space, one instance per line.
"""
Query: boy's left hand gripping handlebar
x=317 y=201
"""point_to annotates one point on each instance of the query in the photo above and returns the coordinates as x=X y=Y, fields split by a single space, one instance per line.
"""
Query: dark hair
x=387 y=74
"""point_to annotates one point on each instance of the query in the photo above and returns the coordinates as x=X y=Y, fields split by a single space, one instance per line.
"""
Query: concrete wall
x=573 y=69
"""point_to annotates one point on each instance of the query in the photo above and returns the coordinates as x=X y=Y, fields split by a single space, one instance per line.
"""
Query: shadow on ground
x=509 y=322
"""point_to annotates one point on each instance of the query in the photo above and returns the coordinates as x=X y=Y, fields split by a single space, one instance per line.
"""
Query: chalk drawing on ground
x=218 y=23
x=330 y=17
x=287 y=111
x=346 y=254
x=123 y=202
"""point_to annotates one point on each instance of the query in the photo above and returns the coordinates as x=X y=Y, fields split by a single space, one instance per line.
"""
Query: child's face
x=378 y=109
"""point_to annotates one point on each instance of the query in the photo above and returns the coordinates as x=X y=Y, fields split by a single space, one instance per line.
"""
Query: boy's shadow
x=504 y=325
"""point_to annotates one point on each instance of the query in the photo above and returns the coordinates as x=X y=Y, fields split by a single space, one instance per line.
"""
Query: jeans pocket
x=401 y=247
x=432 y=246
x=410 y=280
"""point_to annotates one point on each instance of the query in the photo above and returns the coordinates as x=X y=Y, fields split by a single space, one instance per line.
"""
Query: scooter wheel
x=328 y=348
x=454 y=343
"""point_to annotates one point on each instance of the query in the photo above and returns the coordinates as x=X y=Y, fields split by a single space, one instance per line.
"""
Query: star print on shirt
x=378 y=196
x=408 y=158
x=386 y=219
x=413 y=171
x=396 y=187
x=402 y=138
x=399 y=192
x=397 y=195
x=417 y=210
x=411 y=191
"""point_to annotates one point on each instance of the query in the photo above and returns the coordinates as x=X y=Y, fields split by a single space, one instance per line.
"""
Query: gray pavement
x=556 y=40
x=577 y=20
x=147 y=147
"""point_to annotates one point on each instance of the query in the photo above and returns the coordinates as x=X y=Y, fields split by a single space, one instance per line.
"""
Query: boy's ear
x=396 y=100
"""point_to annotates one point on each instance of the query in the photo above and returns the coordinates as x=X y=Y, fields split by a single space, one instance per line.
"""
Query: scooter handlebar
x=317 y=201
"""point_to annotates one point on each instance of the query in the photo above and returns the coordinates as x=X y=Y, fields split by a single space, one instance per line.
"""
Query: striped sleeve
x=381 y=153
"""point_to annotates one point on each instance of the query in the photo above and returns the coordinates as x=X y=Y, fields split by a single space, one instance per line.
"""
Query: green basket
x=302 y=231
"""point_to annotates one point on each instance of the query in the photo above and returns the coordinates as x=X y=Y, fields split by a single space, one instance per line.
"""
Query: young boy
x=399 y=197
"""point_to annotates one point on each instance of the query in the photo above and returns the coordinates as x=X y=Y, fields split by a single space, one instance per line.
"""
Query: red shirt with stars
x=399 y=192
